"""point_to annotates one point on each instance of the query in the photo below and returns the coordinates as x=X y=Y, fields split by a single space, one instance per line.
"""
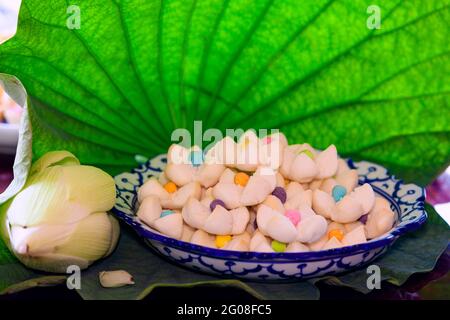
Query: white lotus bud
x=59 y=217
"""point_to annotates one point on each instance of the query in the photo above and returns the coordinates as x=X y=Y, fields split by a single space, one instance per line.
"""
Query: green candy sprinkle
x=278 y=246
x=308 y=153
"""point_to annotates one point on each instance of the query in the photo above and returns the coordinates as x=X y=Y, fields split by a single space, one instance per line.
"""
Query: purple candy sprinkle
x=363 y=218
x=216 y=202
x=280 y=193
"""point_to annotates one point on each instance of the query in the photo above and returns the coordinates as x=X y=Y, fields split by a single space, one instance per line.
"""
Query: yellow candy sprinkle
x=170 y=187
x=337 y=233
x=241 y=179
x=221 y=241
x=307 y=152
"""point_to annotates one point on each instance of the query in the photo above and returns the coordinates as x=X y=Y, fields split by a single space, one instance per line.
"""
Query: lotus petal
x=152 y=188
x=219 y=222
x=303 y=169
x=311 y=229
x=256 y=190
x=202 y=238
x=297 y=247
x=209 y=174
x=327 y=162
x=149 y=210
x=170 y=225
x=241 y=217
x=229 y=193
x=195 y=213
x=332 y=243
x=366 y=197
x=280 y=228
x=323 y=203
x=355 y=236
x=181 y=174
x=349 y=209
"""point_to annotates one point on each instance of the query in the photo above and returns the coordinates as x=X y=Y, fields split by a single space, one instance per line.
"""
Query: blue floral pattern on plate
x=407 y=201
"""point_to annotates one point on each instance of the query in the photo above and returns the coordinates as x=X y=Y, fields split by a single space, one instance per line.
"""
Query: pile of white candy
x=287 y=198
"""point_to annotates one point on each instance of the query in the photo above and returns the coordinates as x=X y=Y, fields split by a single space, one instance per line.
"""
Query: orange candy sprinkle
x=241 y=179
x=337 y=233
x=170 y=187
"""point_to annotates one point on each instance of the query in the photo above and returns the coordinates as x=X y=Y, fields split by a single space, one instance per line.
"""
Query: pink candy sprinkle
x=293 y=215
x=268 y=140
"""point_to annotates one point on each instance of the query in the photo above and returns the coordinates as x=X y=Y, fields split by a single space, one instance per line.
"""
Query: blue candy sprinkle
x=196 y=158
x=166 y=213
x=338 y=192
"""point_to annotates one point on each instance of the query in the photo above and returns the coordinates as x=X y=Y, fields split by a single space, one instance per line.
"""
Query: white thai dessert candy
x=187 y=233
x=296 y=196
x=318 y=245
x=327 y=162
x=162 y=179
x=281 y=182
x=296 y=247
x=259 y=186
x=175 y=200
x=227 y=176
x=332 y=243
x=271 y=150
x=223 y=152
x=240 y=242
x=276 y=225
x=152 y=188
x=195 y=213
x=352 y=225
x=323 y=203
x=274 y=203
x=352 y=206
x=186 y=165
x=311 y=229
x=346 y=177
x=260 y=243
x=315 y=184
x=219 y=222
x=247 y=151
x=202 y=238
x=228 y=199
x=380 y=219
x=229 y=193
x=170 y=225
x=297 y=163
x=355 y=236
x=150 y=213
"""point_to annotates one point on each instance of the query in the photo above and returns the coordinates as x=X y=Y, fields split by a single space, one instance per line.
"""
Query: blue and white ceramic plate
x=407 y=201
